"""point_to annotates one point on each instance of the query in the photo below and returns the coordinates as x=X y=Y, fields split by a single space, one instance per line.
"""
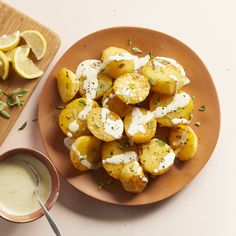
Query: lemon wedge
x=24 y=66
x=36 y=42
x=9 y=41
x=25 y=50
x=4 y=66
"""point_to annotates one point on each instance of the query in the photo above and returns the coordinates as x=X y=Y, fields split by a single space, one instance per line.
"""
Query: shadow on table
x=87 y=206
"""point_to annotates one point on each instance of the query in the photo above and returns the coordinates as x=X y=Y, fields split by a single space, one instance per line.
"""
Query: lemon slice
x=36 y=42
x=4 y=66
x=24 y=66
x=9 y=41
x=25 y=50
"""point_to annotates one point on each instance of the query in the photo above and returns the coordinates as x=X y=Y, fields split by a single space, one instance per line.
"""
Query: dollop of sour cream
x=84 y=161
x=90 y=70
x=111 y=127
x=166 y=162
x=138 y=121
x=68 y=142
x=180 y=100
x=138 y=62
x=122 y=158
x=87 y=108
x=73 y=126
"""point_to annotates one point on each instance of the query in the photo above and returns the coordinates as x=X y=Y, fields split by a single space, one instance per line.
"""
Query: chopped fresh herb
x=100 y=186
x=23 y=126
x=160 y=143
x=136 y=50
x=193 y=97
x=59 y=107
x=82 y=101
x=150 y=124
x=197 y=124
x=10 y=101
x=132 y=86
x=202 y=108
x=35 y=120
x=81 y=158
x=110 y=181
x=19 y=92
x=3 y=105
x=151 y=81
x=151 y=54
x=5 y=114
x=129 y=41
x=158 y=102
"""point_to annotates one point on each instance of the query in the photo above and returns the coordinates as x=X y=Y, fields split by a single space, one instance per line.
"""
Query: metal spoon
x=49 y=218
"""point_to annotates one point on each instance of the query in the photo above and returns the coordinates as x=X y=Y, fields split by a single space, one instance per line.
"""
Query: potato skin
x=104 y=84
x=150 y=127
x=70 y=113
x=133 y=178
x=96 y=126
x=113 y=148
x=67 y=84
x=113 y=103
x=90 y=150
x=151 y=154
x=161 y=78
x=158 y=100
x=131 y=88
x=116 y=68
x=184 y=141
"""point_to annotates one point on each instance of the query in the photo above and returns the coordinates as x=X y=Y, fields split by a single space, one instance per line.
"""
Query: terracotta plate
x=201 y=87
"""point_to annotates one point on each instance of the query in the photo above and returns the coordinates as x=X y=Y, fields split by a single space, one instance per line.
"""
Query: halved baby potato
x=116 y=153
x=184 y=141
x=171 y=110
x=133 y=178
x=115 y=68
x=105 y=124
x=113 y=103
x=140 y=125
x=131 y=88
x=67 y=84
x=71 y=122
x=156 y=157
x=85 y=153
x=163 y=76
x=104 y=84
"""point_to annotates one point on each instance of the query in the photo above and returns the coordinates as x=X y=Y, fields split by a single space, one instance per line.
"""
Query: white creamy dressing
x=68 y=142
x=90 y=70
x=138 y=62
x=84 y=161
x=104 y=103
x=87 y=108
x=138 y=121
x=69 y=134
x=166 y=162
x=111 y=127
x=122 y=158
x=180 y=100
x=17 y=184
x=177 y=121
x=73 y=126
x=139 y=170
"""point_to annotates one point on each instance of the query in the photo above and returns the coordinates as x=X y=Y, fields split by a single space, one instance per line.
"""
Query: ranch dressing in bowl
x=17 y=184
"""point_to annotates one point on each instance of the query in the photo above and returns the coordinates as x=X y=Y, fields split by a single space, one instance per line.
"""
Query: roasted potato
x=113 y=103
x=85 y=153
x=172 y=110
x=116 y=153
x=67 y=84
x=104 y=84
x=184 y=141
x=116 y=68
x=140 y=125
x=131 y=88
x=163 y=76
x=132 y=177
x=105 y=124
x=72 y=119
x=156 y=157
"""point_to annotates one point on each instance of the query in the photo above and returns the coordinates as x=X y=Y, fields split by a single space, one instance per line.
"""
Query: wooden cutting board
x=12 y=20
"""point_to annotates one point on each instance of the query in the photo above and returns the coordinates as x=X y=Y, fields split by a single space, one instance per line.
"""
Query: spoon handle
x=49 y=218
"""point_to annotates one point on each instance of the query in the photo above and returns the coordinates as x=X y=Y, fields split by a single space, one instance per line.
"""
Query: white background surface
x=207 y=205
